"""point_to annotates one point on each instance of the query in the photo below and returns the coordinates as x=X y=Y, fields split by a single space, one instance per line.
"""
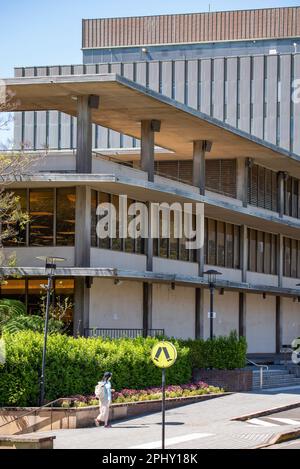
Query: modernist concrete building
x=228 y=78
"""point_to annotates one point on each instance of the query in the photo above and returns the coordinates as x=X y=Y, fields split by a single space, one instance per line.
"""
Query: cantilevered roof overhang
x=124 y=104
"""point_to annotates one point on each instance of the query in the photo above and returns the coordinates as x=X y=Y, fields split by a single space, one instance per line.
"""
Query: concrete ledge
x=26 y=442
x=263 y=413
x=56 y=418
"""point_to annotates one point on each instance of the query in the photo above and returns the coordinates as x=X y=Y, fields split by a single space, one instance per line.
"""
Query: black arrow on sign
x=159 y=351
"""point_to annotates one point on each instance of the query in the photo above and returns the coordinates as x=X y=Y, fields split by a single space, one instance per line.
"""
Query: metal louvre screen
x=262 y=187
x=221 y=176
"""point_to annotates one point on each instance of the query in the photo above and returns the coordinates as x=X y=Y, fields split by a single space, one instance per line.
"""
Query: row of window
x=52 y=222
x=52 y=217
x=29 y=291
x=263 y=191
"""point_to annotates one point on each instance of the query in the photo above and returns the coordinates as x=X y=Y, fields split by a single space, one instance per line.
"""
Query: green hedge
x=222 y=353
x=75 y=365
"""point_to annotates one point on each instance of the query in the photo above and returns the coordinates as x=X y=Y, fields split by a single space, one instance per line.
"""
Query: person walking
x=103 y=392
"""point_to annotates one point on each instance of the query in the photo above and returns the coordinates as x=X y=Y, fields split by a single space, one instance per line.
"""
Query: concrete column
x=281 y=178
x=199 y=313
x=242 y=179
x=82 y=257
x=199 y=149
x=242 y=314
x=148 y=128
x=278 y=323
x=84 y=132
x=280 y=259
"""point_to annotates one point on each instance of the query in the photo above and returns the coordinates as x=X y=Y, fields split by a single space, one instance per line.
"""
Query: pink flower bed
x=150 y=393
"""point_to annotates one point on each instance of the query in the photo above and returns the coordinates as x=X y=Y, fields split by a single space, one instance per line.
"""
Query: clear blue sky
x=48 y=32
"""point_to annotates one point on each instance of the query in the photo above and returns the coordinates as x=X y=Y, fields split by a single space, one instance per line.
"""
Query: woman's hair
x=107 y=375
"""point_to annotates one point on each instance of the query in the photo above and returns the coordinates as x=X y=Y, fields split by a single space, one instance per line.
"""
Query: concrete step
x=287 y=380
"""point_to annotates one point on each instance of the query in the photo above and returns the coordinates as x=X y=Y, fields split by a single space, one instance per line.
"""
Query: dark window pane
x=93 y=218
x=252 y=250
x=103 y=198
x=19 y=234
x=260 y=251
x=41 y=217
x=267 y=254
x=130 y=242
x=287 y=257
x=236 y=245
x=13 y=289
x=211 y=241
x=229 y=246
x=293 y=258
x=221 y=243
x=65 y=217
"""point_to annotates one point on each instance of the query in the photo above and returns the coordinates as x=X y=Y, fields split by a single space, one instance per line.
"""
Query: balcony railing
x=121 y=333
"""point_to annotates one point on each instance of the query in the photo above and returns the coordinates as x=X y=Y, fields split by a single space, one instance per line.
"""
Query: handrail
x=36 y=409
x=261 y=367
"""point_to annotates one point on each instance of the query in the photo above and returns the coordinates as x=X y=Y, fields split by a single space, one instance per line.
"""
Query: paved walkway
x=202 y=425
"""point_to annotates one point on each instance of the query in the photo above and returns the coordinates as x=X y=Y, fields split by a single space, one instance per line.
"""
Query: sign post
x=163 y=355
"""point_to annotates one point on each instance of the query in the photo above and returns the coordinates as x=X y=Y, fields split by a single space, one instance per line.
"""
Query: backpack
x=100 y=391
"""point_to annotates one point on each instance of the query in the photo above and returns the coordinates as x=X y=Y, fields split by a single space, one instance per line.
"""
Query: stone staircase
x=275 y=378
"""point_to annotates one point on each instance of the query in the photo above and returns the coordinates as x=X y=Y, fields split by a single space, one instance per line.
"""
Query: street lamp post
x=50 y=266
x=212 y=275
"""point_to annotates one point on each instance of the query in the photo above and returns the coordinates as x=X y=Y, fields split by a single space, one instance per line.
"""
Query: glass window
x=65 y=217
x=260 y=251
x=221 y=244
x=19 y=238
x=267 y=253
x=293 y=258
x=211 y=242
x=236 y=246
x=287 y=257
x=41 y=217
x=106 y=242
x=229 y=246
x=93 y=218
x=14 y=289
x=116 y=242
x=129 y=242
x=252 y=250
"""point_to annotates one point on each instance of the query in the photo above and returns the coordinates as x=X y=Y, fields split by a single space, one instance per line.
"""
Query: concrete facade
x=251 y=91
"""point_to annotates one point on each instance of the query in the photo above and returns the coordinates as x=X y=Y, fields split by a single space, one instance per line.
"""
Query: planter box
x=238 y=380
x=47 y=419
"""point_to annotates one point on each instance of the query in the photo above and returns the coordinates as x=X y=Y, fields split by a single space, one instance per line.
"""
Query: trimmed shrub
x=222 y=353
x=74 y=366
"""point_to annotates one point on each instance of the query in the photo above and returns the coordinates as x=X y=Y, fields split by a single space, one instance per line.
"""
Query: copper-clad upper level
x=191 y=28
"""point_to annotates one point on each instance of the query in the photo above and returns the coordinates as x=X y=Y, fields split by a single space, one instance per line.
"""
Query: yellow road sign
x=164 y=354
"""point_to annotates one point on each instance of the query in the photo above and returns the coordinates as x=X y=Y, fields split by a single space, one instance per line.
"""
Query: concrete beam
x=199 y=149
x=84 y=132
x=148 y=128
